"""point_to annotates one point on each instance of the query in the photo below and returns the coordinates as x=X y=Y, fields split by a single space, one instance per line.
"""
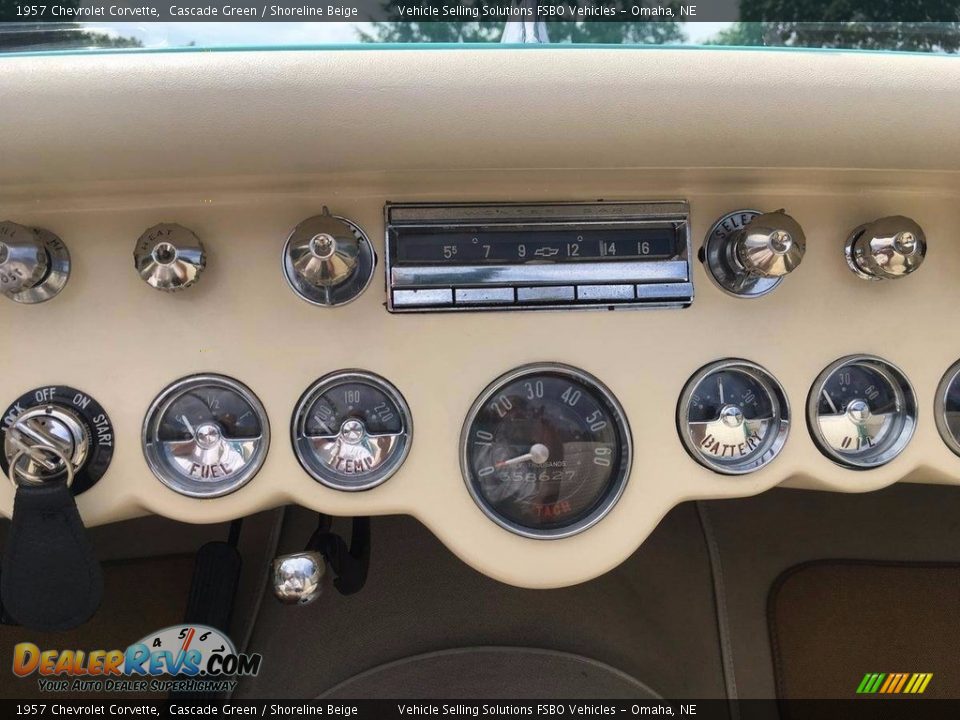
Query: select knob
x=328 y=260
x=34 y=263
x=886 y=249
x=748 y=253
x=169 y=257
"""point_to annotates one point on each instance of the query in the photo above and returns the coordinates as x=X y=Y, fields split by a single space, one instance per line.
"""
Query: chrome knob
x=748 y=253
x=34 y=263
x=328 y=260
x=297 y=578
x=169 y=257
x=23 y=261
x=886 y=249
x=771 y=245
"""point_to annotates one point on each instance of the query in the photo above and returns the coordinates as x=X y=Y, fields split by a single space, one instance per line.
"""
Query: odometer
x=546 y=451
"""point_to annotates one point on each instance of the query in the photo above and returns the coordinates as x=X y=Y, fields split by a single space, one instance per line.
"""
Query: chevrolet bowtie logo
x=894 y=683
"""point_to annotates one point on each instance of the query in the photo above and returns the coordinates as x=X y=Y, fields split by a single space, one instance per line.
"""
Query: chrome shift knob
x=169 y=257
x=34 y=263
x=328 y=260
x=748 y=253
x=297 y=578
x=886 y=249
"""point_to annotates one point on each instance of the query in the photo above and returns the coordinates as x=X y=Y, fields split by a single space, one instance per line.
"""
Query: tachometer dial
x=206 y=435
x=733 y=417
x=351 y=430
x=861 y=412
x=546 y=451
x=947 y=408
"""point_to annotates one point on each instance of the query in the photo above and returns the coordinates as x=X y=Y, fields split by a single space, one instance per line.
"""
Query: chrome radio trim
x=657 y=283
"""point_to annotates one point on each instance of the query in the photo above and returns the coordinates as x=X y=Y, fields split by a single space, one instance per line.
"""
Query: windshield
x=929 y=26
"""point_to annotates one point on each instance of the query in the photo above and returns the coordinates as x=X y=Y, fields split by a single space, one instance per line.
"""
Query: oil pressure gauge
x=733 y=417
x=351 y=430
x=861 y=412
x=206 y=436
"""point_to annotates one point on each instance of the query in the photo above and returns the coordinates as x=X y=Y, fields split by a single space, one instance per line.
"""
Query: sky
x=226 y=34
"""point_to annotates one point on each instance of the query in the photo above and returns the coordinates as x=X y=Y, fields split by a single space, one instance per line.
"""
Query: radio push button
x=748 y=253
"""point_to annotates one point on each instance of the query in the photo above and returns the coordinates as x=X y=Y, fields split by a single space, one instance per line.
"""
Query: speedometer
x=546 y=451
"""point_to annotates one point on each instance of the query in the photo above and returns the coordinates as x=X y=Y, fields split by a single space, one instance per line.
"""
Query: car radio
x=537 y=256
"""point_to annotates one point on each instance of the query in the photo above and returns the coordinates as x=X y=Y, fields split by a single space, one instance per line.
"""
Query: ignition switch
x=57 y=442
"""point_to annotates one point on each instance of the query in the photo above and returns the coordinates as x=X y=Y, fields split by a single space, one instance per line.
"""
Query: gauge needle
x=720 y=388
x=538 y=455
x=830 y=402
x=183 y=419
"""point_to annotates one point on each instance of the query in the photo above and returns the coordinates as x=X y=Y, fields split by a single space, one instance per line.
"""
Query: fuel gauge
x=733 y=417
x=206 y=436
x=861 y=411
x=351 y=430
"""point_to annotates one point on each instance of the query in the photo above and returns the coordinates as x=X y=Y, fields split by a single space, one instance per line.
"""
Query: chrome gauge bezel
x=307 y=458
x=623 y=432
x=155 y=414
x=771 y=445
x=898 y=439
x=940 y=407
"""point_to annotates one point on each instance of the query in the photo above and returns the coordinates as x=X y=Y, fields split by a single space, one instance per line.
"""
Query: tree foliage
x=934 y=25
x=23 y=36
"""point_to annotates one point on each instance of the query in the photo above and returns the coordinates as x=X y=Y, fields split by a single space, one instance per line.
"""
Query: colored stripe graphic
x=903 y=681
x=894 y=683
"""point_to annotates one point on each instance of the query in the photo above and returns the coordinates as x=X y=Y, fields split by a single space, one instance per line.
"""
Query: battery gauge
x=733 y=417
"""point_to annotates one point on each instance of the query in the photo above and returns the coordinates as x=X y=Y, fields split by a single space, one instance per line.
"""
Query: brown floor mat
x=832 y=622
x=140 y=597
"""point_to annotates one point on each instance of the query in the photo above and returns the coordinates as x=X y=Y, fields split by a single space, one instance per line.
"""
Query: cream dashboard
x=801 y=267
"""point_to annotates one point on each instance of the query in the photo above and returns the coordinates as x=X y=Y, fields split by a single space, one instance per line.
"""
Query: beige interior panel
x=240 y=147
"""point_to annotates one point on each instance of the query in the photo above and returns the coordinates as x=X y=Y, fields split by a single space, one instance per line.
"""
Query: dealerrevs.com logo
x=180 y=658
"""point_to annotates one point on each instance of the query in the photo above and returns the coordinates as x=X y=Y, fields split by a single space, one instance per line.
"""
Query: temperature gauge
x=206 y=436
x=351 y=430
x=733 y=417
x=861 y=411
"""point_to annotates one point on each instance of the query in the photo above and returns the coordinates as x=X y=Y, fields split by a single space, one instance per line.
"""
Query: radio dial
x=886 y=249
x=328 y=260
x=771 y=245
x=748 y=253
